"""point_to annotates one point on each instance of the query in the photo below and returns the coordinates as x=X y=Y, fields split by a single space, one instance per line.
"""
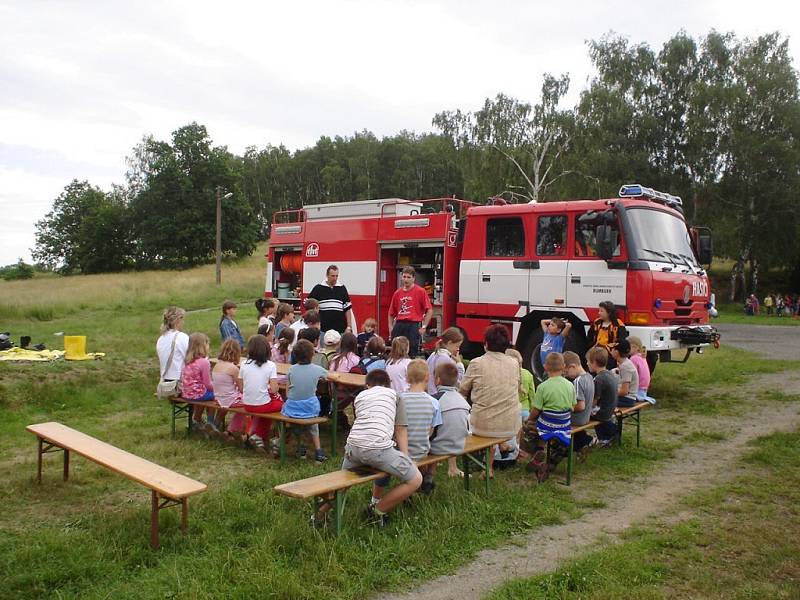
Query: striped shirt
x=422 y=413
x=333 y=303
x=376 y=411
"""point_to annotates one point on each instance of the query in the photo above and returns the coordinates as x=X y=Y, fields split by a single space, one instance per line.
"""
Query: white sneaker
x=256 y=441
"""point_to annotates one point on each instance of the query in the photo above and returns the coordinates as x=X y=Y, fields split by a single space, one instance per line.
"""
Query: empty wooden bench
x=183 y=406
x=320 y=487
x=168 y=488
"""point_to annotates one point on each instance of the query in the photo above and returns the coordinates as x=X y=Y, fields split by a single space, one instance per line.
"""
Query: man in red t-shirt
x=410 y=311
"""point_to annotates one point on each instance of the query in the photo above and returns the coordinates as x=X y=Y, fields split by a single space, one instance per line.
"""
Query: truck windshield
x=657 y=234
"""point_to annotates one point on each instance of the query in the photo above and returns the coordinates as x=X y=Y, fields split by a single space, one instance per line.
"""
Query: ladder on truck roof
x=362 y=208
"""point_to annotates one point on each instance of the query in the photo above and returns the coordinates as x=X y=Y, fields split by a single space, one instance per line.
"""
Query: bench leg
x=570 y=459
x=154 y=520
x=488 y=456
x=174 y=410
x=620 y=421
x=282 y=441
x=334 y=418
x=66 y=464
x=338 y=515
x=39 y=462
x=638 y=428
x=467 y=464
x=184 y=515
x=189 y=419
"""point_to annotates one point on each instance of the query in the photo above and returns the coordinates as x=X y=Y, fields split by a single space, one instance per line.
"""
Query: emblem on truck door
x=312 y=250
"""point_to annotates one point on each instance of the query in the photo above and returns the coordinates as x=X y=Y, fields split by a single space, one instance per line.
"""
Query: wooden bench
x=320 y=487
x=183 y=406
x=629 y=412
x=168 y=488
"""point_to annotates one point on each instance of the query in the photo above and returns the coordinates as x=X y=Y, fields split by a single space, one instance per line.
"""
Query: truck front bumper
x=672 y=337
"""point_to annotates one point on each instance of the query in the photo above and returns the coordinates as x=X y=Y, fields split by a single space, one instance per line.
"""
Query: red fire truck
x=514 y=264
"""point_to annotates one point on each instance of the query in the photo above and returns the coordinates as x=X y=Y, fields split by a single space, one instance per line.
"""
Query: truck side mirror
x=604 y=235
x=705 y=248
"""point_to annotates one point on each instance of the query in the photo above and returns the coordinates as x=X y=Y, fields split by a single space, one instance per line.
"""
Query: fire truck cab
x=514 y=264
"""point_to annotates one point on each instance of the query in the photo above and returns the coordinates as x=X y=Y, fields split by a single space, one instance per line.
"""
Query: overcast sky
x=82 y=81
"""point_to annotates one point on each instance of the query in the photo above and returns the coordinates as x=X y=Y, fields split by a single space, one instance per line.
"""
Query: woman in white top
x=171 y=326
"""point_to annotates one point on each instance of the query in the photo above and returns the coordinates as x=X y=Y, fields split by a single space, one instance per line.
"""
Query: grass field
x=88 y=538
x=742 y=542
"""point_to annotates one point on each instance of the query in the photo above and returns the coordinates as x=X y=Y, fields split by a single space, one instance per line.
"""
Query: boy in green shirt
x=550 y=417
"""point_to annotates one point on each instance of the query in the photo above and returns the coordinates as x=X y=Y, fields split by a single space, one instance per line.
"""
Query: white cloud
x=84 y=81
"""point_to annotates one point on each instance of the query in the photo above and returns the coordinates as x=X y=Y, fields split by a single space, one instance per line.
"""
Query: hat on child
x=332 y=337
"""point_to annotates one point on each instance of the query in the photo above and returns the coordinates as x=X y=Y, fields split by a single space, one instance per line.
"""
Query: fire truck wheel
x=531 y=356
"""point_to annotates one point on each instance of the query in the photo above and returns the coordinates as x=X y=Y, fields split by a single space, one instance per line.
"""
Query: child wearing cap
x=330 y=344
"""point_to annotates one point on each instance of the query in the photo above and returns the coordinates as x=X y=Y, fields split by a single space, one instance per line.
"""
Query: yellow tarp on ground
x=25 y=355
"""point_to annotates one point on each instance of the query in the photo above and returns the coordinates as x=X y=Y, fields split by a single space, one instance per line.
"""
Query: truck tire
x=531 y=360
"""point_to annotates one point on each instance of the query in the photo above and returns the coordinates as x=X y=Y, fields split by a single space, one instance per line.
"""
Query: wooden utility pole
x=219 y=235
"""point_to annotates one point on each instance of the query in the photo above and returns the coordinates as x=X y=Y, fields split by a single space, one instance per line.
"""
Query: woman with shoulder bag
x=171 y=348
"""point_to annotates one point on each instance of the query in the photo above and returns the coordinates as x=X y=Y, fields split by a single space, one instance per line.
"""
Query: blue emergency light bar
x=635 y=190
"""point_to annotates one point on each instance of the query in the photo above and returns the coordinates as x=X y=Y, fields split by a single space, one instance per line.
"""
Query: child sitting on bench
x=628 y=377
x=422 y=414
x=302 y=401
x=550 y=417
x=449 y=437
x=379 y=440
x=196 y=381
x=605 y=396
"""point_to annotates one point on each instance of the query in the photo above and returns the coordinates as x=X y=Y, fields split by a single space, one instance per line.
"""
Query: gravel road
x=771 y=340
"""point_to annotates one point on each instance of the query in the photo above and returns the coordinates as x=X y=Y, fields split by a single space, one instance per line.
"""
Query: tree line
x=714 y=120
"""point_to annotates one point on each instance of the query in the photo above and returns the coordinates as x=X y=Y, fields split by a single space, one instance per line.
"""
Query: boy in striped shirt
x=422 y=413
x=379 y=438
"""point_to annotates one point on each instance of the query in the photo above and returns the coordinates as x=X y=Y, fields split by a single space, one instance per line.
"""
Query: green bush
x=21 y=270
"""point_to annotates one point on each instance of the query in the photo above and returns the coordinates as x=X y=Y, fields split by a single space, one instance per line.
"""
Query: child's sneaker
x=320 y=456
x=301 y=451
x=257 y=443
x=275 y=447
x=538 y=459
x=372 y=517
x=427 y=484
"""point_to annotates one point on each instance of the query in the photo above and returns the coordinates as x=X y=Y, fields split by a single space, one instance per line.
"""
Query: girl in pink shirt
x=196 y=381
x=640 y=362
x=281 y=350
x=343 y=362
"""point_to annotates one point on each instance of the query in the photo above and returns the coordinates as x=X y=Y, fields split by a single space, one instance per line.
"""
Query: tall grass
x=47 y=298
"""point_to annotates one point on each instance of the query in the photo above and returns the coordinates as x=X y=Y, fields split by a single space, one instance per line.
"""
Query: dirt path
x=544 y=549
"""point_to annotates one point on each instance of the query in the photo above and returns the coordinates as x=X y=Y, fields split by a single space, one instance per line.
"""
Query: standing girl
x=227 y=326
x=447 y=349
x=397 y=365
x=196 y=381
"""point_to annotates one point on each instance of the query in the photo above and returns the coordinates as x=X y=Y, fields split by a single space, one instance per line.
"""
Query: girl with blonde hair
x=397 y=364
x=196 y=383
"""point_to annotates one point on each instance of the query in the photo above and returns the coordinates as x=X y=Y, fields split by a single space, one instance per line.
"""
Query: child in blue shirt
x=301 y=394
x=556 y=331
x=227 y=326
